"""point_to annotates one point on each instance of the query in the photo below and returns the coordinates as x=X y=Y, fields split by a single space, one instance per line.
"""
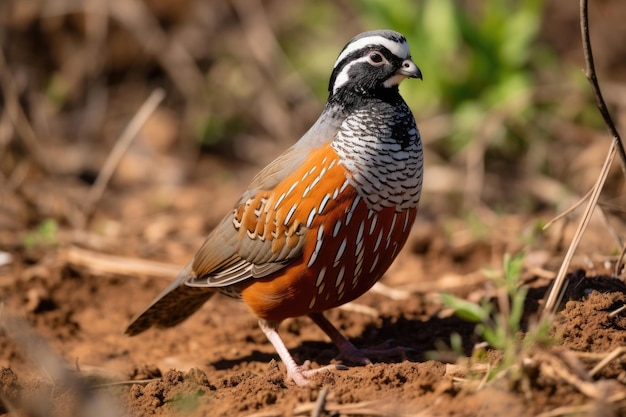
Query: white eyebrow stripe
x=401 y=50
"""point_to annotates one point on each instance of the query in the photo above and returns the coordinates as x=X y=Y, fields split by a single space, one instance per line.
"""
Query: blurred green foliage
x=186 y=403
x=477 y=59
x=45 y=235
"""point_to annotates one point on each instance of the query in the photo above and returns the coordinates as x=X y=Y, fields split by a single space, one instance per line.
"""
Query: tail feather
x=177 y=302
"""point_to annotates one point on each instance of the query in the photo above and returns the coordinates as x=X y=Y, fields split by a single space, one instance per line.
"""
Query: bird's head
x=372 y=63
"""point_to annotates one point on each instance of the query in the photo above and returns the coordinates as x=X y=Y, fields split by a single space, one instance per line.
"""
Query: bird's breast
x=383 y=156
x=347 y=246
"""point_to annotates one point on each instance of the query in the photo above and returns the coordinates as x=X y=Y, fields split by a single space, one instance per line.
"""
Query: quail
x=321 y=224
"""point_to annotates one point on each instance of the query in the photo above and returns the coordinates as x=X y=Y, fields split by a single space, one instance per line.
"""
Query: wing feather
x=263 y=233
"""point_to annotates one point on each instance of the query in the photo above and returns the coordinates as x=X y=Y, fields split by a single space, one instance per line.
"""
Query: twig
x=555 y=367
x=360 y=308
x=616 y=147
x=177 y=62
x=575 y=410
x=568 y=211
x=264 y=52
x=619 y=265
x=268 y=413
x=392 y=293
x=120 y=148
x=447 y=282
x=590 y=73
x=17 y=116
x=365 y=408
x=123 y=383
x=617 y=311
x=320 y=403
x=99 y=263
x=610 y=357
x=554 y=293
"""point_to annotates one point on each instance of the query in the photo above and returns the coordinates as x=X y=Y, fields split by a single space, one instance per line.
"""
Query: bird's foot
x=348 y=352
x=301 y=374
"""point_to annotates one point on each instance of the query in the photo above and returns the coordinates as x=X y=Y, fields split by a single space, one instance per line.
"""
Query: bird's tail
x=177 y=302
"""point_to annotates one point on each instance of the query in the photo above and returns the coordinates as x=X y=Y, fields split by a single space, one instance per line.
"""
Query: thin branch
x=619 y=265
x=590 y=73
x=120 y=148
x=320 y=404
x=10 y=92
x=568 y=211
x=136 y=17
x=553 y=295
x=105 y=265
x=616 y=147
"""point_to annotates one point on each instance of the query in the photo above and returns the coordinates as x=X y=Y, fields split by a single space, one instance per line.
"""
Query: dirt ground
x=219 y=362
x=69 y=287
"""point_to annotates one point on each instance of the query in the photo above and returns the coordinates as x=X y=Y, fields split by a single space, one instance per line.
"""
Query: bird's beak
x=409 y=69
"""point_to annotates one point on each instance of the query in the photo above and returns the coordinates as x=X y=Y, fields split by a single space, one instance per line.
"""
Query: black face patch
x=365 y=76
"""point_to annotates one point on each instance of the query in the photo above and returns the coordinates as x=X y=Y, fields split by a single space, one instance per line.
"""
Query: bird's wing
x=264 y=233
x=319 y=135
x=266 y=230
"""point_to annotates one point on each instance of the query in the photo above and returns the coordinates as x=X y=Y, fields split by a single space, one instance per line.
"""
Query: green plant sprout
x=186 y=403
x=44 y=235
x=501 y=328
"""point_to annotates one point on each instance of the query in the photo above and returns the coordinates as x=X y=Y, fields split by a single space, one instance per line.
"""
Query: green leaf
x=465 y=310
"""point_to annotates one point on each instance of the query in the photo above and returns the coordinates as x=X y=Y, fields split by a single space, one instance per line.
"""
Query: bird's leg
x=347 y=350
x=295 y=372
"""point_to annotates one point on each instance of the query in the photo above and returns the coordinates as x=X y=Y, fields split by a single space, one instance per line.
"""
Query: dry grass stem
x=568 y=211
x=617 y=311
x=568 y=369
x=616 y=147
x=269 y=413
x=122 y=383
x=17 y=116
x=447 y=282
x=365 y=408
x=359 y=308
x=320 y=403
x=555 y=291
x=619 y=265
x=575 y=410
x=620 y=351
x=107 y=265
x=120 y=148
x=173 y=57
x=382 y=289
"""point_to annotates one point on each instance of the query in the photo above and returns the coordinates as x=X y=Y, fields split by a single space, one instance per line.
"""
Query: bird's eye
x=376 y=58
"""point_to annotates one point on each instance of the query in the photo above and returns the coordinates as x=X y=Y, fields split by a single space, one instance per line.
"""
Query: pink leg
x=297 y=373
x=347 y=350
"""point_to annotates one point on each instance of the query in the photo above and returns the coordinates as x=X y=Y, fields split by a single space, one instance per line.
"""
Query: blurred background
x=507 y=118
x=511 y=136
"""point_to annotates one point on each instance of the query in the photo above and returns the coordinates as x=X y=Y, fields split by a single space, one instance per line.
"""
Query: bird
x=321 y=224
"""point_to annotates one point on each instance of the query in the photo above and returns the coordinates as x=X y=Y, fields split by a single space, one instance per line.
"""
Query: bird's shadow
x=419 y=337
x=423 y=337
